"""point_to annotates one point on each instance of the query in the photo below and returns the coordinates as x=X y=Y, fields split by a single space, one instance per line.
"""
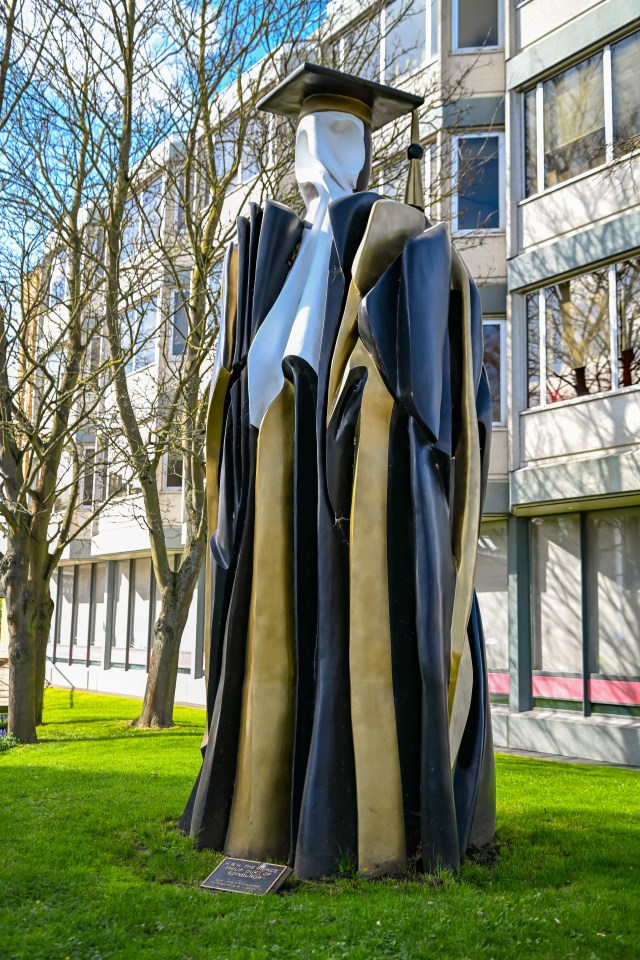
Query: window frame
x=501 y=321
x=430 y=54
x=166 y=486
x=478 y=231
x=485 y=48
x=132 y=367
x=175 y=292
x=613 y=324
x=607 y=93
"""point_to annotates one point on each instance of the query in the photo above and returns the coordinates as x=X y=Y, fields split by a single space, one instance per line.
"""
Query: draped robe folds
x=347 y=703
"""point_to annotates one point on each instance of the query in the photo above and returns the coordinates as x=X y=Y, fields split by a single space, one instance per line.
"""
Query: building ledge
x=558 y=733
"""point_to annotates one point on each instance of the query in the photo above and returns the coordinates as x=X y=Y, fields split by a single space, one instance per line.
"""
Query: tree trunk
x=44 y=614
x=159 y=695
x=22 y=659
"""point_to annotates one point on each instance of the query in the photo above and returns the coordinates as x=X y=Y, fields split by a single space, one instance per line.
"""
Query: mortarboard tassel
x=414 y=193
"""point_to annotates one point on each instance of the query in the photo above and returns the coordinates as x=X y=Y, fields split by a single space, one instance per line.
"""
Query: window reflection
x=574 y=136
x=491 y=587
x=533 y=349
x=578 y=357
x=574 y=116
x=556 y=595
x=530 y=143
x=625 y=56
x=361 y=49
x=492 y=330
x=477 y=24
x=478 y=183
x=628 y=299
x=405 y=37
x=613 y=568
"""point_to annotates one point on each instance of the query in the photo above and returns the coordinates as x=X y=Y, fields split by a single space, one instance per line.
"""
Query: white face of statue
x=330 y=153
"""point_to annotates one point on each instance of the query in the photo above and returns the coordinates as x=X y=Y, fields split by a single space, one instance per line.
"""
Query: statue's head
x=335 y=146
x=337 y=114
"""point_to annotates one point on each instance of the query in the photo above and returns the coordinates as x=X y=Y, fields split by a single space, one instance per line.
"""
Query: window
x=391 y=180
x=625 y=56
x=361 y=49
x=252 y=148
x=583 y=334
x=389 y=45
x=87 y=475
x=139 y=326
x=628 y=305
x=215 y=293
x=175 y=466
x=122 y=586
x=494 y=335
x=58 y=287
x=179 y=321
x=613 y=592
x=556 y=595
x=578 y=353
x=476 y=24
x=142 y=218
x=574 y=135
x=583 y=117
x=534 y=312
x=151 y=211
x=491 y=587
x=405 y=37
x=141 y=614
x=585 y=610
x=477 y=173
x=82 y=616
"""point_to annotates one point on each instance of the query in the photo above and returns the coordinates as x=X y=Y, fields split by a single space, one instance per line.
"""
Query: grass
x=90 y=867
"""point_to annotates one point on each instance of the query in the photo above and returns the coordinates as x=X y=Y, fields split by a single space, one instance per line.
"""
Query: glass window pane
x=121 y=613
x=81 y=638
x=628 y=294
x=53 y=589
x=578 y=349
x=492 y=330
x=362 y=49
x=392 y=180
x=142 y=599
x=100 y=623
x=574 y=136
x=179 y=322
x=477 y=23
x=65 y=613
x=625 y=57
x=139 y=327
x=434 y=28
x=556 y=595
x=491 y=587
x=151 y=211
x=405 y=38
x=175 y=468
x=533 y=349
x=478 y=183
x=530 y=144
x=613 y=540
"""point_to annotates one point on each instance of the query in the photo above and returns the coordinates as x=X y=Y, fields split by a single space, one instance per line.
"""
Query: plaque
x=246 y=876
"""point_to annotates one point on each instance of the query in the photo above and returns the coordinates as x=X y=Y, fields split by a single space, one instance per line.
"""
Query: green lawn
x=90 y=867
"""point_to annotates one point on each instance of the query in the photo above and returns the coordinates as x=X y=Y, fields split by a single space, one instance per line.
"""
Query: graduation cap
x=311 y=88
x=314 y=89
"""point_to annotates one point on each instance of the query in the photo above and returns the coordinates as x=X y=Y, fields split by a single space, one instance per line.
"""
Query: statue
x=347 y=454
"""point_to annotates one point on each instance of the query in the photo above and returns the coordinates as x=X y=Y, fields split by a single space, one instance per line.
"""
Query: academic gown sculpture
x=347 y=454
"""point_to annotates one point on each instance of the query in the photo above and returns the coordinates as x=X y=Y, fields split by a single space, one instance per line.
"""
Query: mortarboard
x=311 y=88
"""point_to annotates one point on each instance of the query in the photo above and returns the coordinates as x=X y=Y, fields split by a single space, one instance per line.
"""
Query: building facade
x=531 y=132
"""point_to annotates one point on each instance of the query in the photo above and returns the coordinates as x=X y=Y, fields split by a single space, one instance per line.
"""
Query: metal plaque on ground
x=246 y=876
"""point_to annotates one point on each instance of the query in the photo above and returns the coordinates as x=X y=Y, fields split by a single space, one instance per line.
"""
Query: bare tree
x=57 y=151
